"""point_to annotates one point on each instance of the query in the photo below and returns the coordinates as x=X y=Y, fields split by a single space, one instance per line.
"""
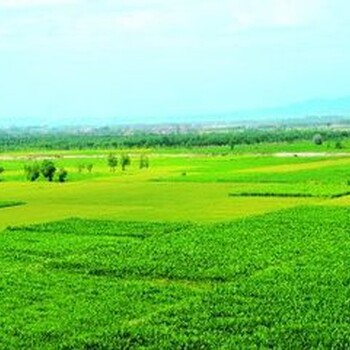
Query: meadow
x=207 y=248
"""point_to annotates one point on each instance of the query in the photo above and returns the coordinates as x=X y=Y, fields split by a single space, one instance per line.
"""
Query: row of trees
x=47 y=169
x=88 y=167
x=229 y=137
x=125 y=161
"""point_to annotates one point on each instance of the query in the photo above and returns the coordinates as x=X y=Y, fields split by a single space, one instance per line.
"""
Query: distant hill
x=315 y=110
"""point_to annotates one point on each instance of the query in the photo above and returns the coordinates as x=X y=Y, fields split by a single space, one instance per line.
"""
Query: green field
x=202 y=250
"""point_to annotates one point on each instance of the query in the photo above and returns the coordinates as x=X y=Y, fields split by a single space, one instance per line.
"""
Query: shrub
x=317 y=139
x=144 y=161
x=81 y=167
x=48 y=169
x=32 y=172
x=112 y=161
x=339 y=145
x=89 y=167
x=125 y=161
x=62 y=175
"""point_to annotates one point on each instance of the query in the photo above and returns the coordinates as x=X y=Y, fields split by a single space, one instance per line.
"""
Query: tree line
x=125 y=161
x=230 y=138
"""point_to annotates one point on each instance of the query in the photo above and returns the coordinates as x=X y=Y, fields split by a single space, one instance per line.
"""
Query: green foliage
x=339 y=145
x=8 y=204
x=110 y=139
x=144 y=162
x=125 y=161
x=112 y=161
x=48 y=169
x=317 y=139
x=274 y=281
x=32 y=171
x=81 y=168
x=269 y=281
x=2 y=169
x=62 y=175
x=89 y=167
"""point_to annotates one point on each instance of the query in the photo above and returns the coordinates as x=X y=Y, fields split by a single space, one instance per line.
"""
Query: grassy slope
x=271 y=281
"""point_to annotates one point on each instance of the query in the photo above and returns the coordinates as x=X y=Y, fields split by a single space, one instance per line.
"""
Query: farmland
x=174 y=175
x=205 y=248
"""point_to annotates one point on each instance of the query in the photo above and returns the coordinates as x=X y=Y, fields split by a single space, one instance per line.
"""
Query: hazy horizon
x=73 y=61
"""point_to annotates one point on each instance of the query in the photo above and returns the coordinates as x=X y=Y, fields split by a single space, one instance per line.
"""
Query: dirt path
x=58 y=156
x=92 y=156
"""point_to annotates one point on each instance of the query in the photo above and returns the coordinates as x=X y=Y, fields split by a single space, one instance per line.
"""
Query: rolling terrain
x=200 y=250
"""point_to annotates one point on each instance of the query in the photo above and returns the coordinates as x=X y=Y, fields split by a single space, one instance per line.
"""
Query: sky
x=70 y=61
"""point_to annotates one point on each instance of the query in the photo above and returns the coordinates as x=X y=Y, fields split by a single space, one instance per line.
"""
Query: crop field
x=270 y=281
x=201 y=250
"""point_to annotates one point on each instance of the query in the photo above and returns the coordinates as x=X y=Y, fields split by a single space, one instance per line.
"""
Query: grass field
x=201 y=250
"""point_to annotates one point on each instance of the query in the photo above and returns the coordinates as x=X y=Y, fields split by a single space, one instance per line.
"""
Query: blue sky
x=76 y=61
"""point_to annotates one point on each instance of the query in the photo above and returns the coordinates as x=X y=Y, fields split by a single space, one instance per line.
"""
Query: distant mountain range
x=315 y=108
x=312 y=110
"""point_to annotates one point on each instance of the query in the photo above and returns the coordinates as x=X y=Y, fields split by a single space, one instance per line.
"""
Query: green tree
x=2 y=169
x=81 y=167
x=232 y=144
x=48 y=169
x=125 y=161
x=339 y=145
x=62 y=175
x=317 y=139
x=144 y=161
x=89 y=167
x=112 y=161
x=32 y=172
